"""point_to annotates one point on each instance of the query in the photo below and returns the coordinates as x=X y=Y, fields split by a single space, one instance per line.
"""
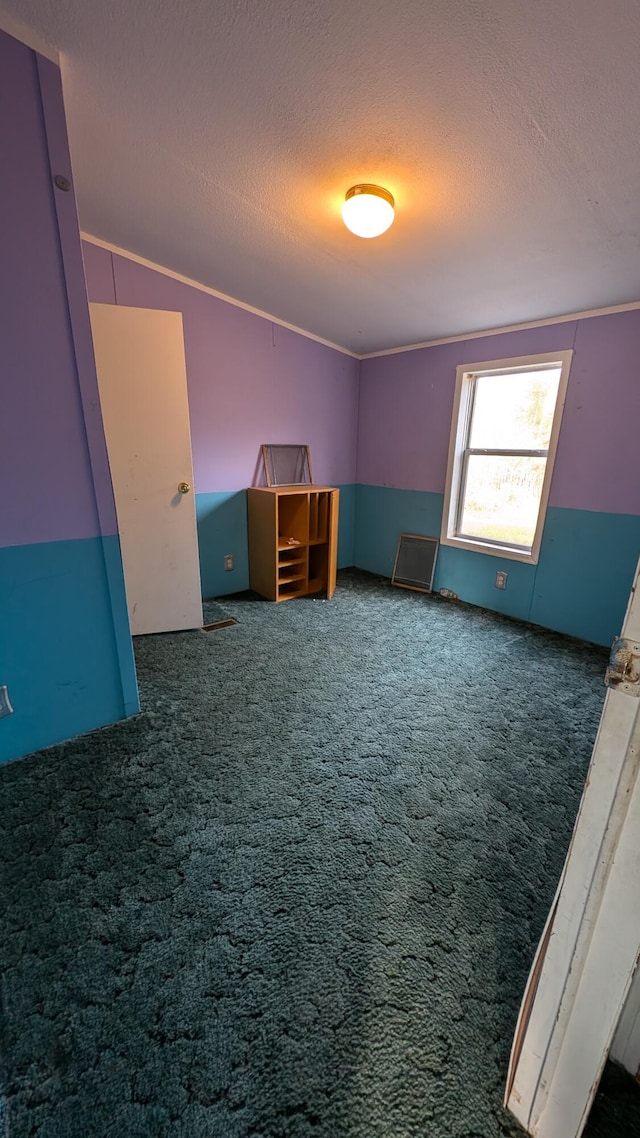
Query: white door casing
x=584 y=968
x=143 y=393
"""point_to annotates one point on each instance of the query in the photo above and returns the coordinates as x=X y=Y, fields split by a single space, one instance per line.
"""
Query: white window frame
x=460 y=426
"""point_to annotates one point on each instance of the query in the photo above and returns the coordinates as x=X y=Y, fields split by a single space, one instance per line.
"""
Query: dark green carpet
x=299 y=895
x=214 y=611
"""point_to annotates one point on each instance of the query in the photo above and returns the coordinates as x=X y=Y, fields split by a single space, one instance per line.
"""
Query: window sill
x=501 y=551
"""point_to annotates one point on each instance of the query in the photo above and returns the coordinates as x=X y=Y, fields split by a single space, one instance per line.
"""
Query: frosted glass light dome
x=368 y=210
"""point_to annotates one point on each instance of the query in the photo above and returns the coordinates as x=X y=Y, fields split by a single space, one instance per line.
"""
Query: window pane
x=514 y=412
x=502 y=498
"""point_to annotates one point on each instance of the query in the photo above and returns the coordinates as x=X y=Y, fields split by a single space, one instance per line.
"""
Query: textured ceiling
x=219 y=138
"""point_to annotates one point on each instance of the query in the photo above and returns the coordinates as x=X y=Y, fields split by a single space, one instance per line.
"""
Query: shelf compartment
x=292 y=577
x=283 y=546
x=318 y=567
x=291 y=553
x=322 y=531
x=313 y=517
x=294 y=588
x=318 y=516
x=293 y=520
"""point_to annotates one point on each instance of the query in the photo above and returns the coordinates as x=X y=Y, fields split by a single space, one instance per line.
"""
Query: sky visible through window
x=502 y=492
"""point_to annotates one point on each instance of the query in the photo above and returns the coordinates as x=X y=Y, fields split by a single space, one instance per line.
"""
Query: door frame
x=585 y=963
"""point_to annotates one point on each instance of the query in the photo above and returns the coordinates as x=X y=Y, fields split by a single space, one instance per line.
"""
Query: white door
x=143 y=393
x=582 y=976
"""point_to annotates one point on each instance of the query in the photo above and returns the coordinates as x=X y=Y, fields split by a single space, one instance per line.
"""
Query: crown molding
x=584 y=315
x=630 y=307
x=21 y=32
x=214 y=292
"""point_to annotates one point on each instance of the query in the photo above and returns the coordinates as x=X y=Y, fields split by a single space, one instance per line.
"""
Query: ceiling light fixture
x=368 y=210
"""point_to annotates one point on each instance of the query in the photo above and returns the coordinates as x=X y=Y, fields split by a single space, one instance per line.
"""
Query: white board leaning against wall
x=143 y=393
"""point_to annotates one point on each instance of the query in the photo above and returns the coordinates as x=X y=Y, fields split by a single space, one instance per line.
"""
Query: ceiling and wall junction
x=220 y=139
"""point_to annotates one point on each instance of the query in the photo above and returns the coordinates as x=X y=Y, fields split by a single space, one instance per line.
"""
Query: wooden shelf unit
x=293 y=540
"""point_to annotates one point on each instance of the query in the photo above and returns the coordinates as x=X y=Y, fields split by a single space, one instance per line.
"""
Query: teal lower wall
x=382 y=514
x=347 y=527
x=580 y=585
x=65 y=649
x=222 y=529
x=585 y=572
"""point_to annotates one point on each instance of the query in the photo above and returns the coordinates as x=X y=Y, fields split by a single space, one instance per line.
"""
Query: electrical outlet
x=5 y=702
x=228 y=561
x=501 y=579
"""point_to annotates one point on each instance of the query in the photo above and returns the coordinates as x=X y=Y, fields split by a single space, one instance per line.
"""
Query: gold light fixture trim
x=368 y=210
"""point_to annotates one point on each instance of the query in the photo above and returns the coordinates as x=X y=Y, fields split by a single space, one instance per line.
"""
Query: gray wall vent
x=415 y=563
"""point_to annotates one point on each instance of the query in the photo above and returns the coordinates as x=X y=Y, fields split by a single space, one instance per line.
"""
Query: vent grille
x=415 y=562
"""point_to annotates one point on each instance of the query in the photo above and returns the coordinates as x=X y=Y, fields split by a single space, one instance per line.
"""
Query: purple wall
x=250 y=381
x=406 y=403
x=595 y=468
x=45 y=465
x=98 y=268
x=65 y=645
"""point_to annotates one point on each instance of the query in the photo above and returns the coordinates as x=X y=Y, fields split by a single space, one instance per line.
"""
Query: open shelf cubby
x=293 y=538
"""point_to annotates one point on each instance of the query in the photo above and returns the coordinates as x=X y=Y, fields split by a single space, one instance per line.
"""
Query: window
x=504 y=434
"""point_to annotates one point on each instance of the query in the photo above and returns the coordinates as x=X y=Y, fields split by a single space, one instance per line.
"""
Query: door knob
x=184 y=487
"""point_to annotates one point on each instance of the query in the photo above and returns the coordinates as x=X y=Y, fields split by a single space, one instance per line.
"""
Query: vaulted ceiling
x=218 y=138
